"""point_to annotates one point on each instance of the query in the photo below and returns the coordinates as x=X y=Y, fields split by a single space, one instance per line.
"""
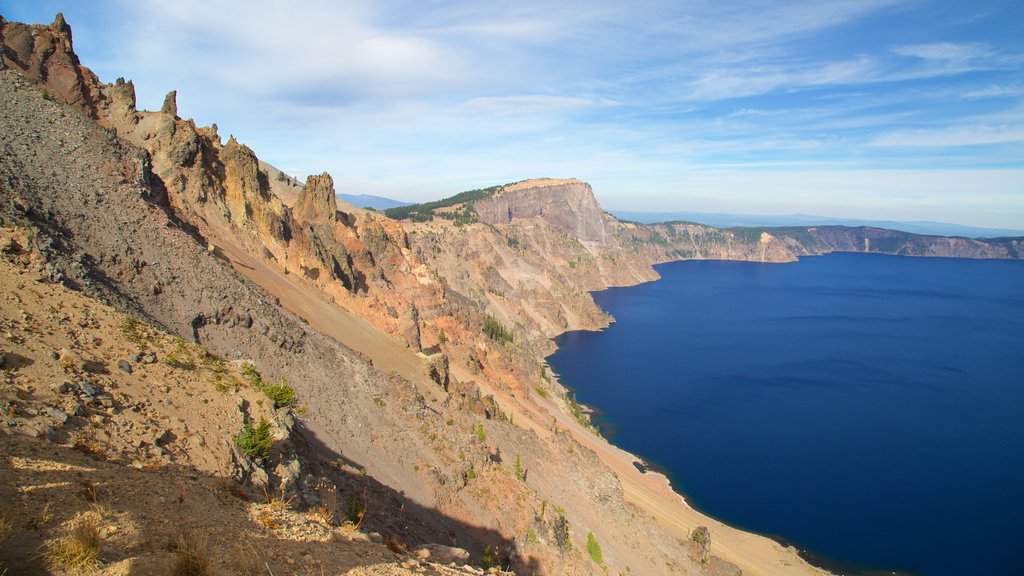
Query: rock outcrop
x=46 y=54
x=568 y=205
x=316 y=202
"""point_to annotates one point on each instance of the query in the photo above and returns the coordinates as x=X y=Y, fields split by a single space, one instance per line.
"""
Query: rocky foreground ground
x=119 y=429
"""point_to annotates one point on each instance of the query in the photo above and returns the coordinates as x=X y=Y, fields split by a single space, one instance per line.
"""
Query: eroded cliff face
x=568 y=205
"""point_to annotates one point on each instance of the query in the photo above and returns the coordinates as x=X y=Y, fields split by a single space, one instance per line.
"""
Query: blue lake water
x=868 y=409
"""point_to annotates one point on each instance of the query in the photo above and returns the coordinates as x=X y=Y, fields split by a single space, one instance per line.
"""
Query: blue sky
x=907 y=110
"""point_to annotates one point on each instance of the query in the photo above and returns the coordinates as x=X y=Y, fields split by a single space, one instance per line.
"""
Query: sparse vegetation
x=470 y=474
x=253 y=375
x=479 y=430
x=441 y=337
x=245 y=559
x=280 y=394
x=540 y=390
x=496 y=331
x=561 y=528
x=98 y=501
x=191 y=555
x=256 y=442
x=490 y=558
x=356 y=510
x=180 y=357
x=133 y=330
x=594 y=549
x=423 y=212
x=531 y=535
x=576 y=410
x=79 y=550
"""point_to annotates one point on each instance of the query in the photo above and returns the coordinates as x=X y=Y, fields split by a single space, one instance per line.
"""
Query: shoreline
x=651 y=490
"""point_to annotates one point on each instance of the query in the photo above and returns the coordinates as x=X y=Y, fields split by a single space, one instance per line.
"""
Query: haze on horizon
x=874 y=109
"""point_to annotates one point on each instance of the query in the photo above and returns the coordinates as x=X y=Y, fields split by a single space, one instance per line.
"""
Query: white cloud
x=995 y=91
x=966 y=135
x=522 y=105
x=947 y=51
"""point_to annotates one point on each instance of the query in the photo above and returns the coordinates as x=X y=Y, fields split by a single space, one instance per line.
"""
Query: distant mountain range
x=369 y=201
x=721 y=220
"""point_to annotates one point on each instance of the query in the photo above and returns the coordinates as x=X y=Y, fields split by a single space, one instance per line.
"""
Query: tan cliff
x=565 y=204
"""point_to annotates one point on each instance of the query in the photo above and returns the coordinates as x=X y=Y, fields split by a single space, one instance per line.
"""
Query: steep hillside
x=120 y=430
x=158 y=218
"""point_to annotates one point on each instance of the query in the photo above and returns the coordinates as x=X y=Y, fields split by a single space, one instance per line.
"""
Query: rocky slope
x=156 y=217
x=112 y=426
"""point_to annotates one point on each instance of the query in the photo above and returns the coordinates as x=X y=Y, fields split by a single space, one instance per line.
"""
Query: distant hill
x=722 y=220
x=369 y=201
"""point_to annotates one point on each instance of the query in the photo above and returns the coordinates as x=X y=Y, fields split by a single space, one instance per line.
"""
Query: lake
x=867 y=409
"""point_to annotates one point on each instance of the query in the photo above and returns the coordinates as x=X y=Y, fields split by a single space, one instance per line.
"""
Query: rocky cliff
x=568 y=205
x=159 y=218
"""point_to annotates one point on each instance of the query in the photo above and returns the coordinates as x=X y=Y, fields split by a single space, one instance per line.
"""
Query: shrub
x=80 y=550
x=519 y=470
x=280 y=394
x=480 y=434
x=496 y=331
x=252 y=375
x=356 y=511
x=191 y=555
x=594 y=549
x=441 y=336
x=256 y=442
x=490 y=558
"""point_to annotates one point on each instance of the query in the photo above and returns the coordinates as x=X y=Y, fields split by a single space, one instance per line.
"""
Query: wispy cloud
x=948 y=51
x=415 y=100
x=996 y=91
x=523 y=105
x=967 y=135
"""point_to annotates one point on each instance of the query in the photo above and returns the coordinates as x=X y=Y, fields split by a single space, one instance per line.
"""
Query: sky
x=900 y=110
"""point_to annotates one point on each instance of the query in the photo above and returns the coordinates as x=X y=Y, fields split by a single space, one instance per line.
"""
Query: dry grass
x=322 y=515
x=245 y=560
x=80 y=550
x=191 y=555
x=98 y=501
x=5 y=529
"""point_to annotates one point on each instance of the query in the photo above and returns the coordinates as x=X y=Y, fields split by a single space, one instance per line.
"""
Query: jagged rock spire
x=316 y=201
x=170 y=103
